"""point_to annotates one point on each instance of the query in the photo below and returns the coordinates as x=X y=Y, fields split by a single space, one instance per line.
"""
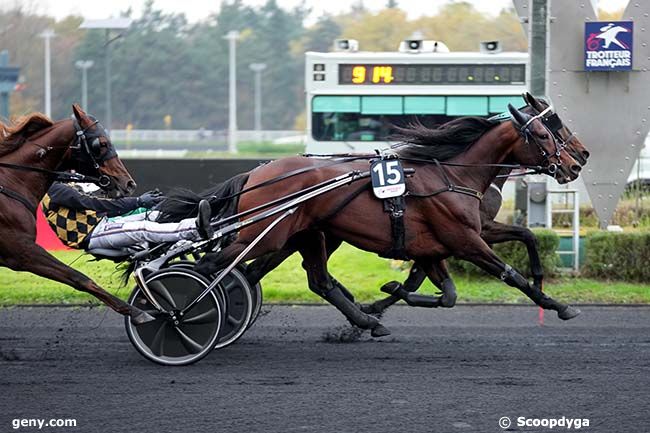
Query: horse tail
x=182 y=203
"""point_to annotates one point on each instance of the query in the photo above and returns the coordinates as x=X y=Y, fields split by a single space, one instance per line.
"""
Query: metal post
x=538 y=33
x=232 y=37
x=109 y=113
x=576 y=231
x=257 y=68
x=47 y=35
x=84 y=65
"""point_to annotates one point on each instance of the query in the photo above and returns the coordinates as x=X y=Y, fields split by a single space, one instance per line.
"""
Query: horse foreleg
x=29 y=257
x=494 y=233
x=314 y=253
x=479 y=253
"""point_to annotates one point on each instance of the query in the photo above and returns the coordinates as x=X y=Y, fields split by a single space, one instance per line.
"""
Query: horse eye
x=544 y=136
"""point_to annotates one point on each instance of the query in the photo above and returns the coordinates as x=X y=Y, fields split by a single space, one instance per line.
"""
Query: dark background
x=195 y=174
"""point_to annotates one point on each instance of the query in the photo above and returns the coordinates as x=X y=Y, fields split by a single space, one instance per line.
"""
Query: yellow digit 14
x=382 y=73
x=359 y=74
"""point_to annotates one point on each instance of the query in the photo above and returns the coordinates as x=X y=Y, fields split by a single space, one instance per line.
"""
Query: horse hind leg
x=314 y=254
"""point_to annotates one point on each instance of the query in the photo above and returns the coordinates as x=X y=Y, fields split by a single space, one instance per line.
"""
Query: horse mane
x=444 y=142
x=14 y=136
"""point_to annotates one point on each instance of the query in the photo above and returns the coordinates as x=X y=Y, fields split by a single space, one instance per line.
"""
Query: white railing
x=198 y=135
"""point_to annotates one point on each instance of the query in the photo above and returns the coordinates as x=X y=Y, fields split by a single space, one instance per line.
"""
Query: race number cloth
x=387 y=178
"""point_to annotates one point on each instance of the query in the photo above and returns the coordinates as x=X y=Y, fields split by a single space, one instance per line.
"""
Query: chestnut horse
x=437 y=227
x=30 y=152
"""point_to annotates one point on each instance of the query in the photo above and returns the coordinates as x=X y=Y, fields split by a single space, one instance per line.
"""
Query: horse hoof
x=392 y=287
x=568 y=313
x=141 y=318
x=379 y=331
x=448 y=300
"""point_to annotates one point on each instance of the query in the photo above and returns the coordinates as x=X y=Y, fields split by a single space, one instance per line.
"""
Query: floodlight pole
x=109 y=111
x=84 y=65
x=48 y=34
x=257 y=68
x=120 y=25
x=232 y=37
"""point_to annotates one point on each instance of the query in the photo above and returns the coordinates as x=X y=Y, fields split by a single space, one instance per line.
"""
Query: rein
x=62 y=176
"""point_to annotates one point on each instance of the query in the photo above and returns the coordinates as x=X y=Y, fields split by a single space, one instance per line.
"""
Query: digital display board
x=428 y=74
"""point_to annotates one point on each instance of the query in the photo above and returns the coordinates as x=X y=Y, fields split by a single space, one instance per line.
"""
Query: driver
x=82 y=221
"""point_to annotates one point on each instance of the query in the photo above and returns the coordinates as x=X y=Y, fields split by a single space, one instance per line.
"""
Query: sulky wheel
x=239 y=307
x=187 y=339
x=256 y=295
x=238 y=299
x=256 y=291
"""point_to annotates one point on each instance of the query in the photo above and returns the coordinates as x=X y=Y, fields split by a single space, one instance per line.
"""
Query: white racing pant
x=131 y=230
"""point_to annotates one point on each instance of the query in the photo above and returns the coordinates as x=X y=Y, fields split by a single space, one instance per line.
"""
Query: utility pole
x=232 y=37
x=257 y=68
x=538 y=24
x=48 y=34
x=84 y=65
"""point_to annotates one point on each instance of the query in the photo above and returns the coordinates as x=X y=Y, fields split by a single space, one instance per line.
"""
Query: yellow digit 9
x=382 y=73
x=359 y=74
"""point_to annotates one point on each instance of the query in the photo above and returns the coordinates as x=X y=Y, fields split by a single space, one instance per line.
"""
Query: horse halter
x=551 y=167
x=87 y=146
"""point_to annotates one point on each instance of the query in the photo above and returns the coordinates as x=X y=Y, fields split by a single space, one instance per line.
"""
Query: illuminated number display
x=440 y=74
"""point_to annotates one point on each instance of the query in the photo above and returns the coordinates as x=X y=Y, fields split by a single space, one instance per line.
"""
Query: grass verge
x=363 y=273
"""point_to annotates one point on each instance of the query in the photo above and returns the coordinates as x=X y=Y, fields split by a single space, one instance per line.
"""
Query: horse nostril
x=576 y=168
x=131 y=186
x=585 y=154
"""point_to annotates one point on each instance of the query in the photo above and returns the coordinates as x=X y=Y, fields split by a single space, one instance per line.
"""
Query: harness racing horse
x=492 y=232
x=33 y=154
x=442 y=220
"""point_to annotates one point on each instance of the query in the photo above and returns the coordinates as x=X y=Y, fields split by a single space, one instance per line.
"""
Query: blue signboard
x=608 y=45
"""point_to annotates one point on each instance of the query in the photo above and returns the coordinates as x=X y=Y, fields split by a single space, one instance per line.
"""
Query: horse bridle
x=560 y=144
x=89 y=145
x=85 y=145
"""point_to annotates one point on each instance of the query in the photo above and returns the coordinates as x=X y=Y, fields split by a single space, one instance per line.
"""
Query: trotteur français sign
x=608 y=45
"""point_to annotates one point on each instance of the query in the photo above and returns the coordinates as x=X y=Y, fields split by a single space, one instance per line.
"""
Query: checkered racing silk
x=71 y=226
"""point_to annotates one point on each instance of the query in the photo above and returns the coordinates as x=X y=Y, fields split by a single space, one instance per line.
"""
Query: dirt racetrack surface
x=457 y=370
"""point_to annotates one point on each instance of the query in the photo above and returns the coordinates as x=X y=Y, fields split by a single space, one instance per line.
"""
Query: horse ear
x=79 y=114
x=534 y=102
x=518 y=117
x=530 y=99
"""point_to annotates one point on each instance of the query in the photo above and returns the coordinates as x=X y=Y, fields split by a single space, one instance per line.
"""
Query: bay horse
x=492 y=232
x=437 y=227
x=33 y=153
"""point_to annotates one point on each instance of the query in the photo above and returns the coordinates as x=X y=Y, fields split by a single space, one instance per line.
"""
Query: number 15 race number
x=387 y=178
